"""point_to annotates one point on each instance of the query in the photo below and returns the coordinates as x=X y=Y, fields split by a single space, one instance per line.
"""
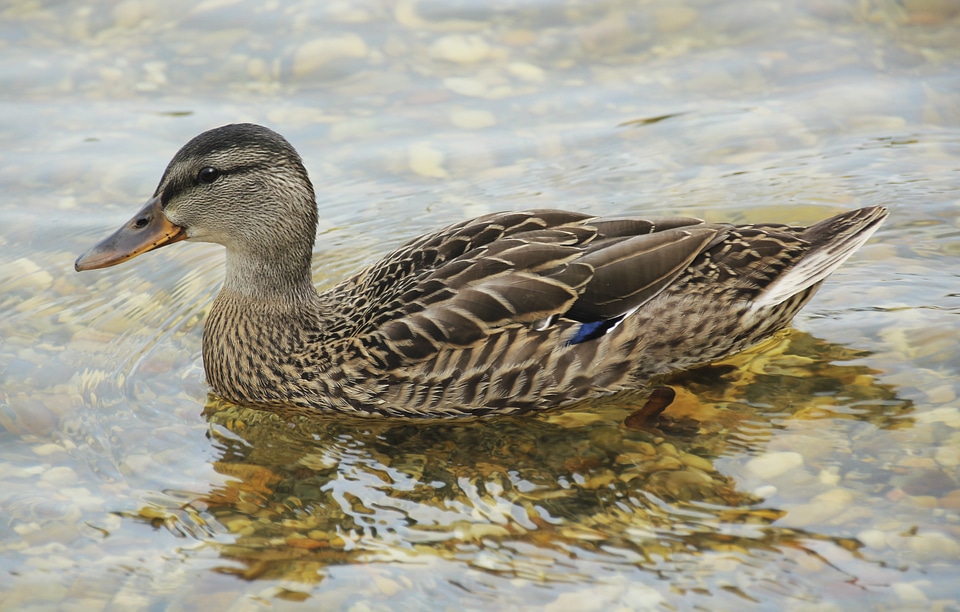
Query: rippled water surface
x=821 y=469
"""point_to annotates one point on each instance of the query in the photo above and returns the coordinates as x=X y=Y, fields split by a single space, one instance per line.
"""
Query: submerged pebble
x=427 y=161
x=773 y=464
x=321 y=54
x=24 y=274
x=460 y=48
x=472 y=119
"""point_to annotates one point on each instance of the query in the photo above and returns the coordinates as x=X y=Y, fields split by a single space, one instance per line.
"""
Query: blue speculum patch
x=594 y=329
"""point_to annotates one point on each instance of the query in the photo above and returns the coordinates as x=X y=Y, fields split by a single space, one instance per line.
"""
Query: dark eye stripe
x=220 y=173
x=176 y=187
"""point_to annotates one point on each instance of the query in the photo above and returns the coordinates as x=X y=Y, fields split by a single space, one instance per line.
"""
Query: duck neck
x=265 y=312
x=283 y=280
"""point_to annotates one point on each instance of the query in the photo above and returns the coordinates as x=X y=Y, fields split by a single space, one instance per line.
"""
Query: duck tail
x=832 y=241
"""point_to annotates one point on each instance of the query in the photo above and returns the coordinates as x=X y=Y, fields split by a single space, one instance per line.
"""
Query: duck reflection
x=527 y=496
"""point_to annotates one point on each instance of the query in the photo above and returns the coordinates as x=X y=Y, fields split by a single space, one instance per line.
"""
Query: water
x=820 y=469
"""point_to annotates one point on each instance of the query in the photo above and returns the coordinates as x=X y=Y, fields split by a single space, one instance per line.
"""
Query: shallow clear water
x=822 y=468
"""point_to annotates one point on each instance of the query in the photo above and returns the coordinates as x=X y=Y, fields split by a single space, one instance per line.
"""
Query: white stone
x=821 y=509
x=908 y=593
x=465 y=86
x=319 y=52
x=873 y=538
x=52 y=563
x=526 y=72
x=425 y=160
x=948 y=415
x=829 y=476
x=460 y=48
x=947 y=456
x=212 y=5
x=772 y=465
x=934 y=547
x=45 y=450
x=469 y=119
x=83 y=499
x=8 y=470
x=139 y=464
x=59 y=476
x=765 y=491
x=129 y=14
x=26 y=274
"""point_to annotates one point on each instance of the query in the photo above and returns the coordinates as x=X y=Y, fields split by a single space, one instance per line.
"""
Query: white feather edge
x=812 y=269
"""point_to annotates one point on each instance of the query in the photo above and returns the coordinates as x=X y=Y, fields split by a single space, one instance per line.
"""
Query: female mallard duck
x=506 y=313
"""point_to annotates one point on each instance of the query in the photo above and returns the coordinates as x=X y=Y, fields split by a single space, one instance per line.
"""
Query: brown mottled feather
x=468 y=346
x=505 y=313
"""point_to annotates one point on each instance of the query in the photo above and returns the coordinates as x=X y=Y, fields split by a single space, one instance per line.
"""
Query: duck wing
x=456 y=286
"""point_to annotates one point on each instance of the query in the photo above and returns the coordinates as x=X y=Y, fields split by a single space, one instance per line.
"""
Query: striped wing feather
x=514 y=275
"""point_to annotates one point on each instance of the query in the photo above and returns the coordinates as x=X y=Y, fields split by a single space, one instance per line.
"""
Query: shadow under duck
x=505 y=313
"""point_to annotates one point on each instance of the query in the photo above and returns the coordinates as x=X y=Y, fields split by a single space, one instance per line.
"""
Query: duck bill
x=149 y=229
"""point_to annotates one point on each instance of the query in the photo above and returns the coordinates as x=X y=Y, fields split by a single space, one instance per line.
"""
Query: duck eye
x=208 y=175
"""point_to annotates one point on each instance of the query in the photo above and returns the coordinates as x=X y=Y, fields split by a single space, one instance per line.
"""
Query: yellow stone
x=695 y=461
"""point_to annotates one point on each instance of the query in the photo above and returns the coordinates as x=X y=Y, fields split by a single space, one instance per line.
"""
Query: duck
x=507 y=313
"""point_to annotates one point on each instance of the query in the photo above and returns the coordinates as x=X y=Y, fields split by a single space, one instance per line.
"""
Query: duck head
x=242 y=186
